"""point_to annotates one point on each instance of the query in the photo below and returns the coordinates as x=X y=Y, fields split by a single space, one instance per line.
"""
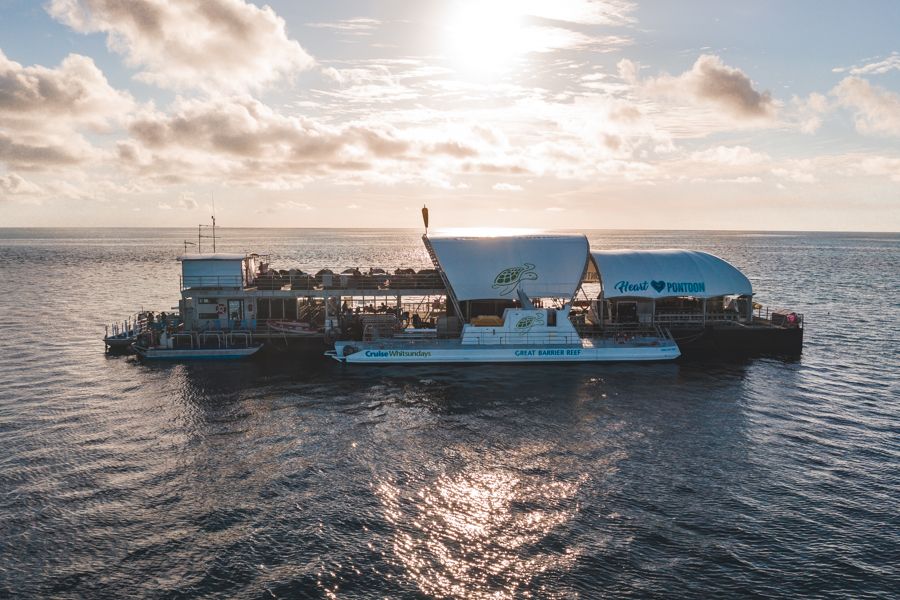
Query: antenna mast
x=213 y=197
x=200 y=227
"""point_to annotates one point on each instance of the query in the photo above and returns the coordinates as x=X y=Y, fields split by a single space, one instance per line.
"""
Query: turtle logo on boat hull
x=509 y=279
x=525 y=324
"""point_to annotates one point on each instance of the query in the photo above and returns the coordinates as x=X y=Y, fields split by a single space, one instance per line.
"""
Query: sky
x=583 y=114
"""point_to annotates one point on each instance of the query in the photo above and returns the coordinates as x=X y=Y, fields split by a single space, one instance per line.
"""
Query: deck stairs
x=437 y=267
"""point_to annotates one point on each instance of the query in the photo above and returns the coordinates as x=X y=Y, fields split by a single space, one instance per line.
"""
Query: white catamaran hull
x=381 y=353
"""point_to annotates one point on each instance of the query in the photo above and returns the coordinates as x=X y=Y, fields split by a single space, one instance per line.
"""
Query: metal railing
x=211 y=281
x=212 y=339
x=356 y=280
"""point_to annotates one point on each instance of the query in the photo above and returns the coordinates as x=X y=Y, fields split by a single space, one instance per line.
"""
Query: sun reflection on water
x=481 y=531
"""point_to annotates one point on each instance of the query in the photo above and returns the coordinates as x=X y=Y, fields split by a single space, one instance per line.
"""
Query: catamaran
x=510 y=299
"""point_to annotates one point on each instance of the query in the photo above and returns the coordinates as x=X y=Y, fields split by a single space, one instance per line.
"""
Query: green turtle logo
x=526 y=323
x=509 y=279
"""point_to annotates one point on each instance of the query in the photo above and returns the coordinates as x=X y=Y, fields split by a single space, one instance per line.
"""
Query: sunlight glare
x=483 y=38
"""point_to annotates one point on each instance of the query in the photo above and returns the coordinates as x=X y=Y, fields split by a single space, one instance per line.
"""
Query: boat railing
x=239 y=338
x=130 y=326
x=780 y=317
x=560 y=339
x=211 y=281
x=372 y=278
x=761 y=314
x=178 y=340
x=204 y=337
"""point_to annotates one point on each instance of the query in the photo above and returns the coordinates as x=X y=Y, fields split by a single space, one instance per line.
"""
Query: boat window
x=235 y=310
x=551 y=317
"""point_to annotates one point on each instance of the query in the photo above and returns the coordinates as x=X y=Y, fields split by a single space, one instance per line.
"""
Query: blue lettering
x=627 y=286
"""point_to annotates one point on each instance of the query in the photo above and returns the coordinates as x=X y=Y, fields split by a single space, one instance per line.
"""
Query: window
x=235 y=310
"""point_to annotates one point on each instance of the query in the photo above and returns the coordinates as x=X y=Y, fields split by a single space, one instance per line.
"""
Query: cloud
x=294 y=205
x=879 y=67
x=881 y=165
x=712 y=83
x=242 y=140
x=75 y=92
x=797 y=170
x=584 y=12
x=809 y=111
x=42 y=110
x=507 y=187
x=210 y=44
x=730 y=155
x=14 y=185
x=358 y=26
x=876 y=110
x=33 y=153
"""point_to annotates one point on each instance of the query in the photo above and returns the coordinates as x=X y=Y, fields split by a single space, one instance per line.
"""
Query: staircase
x=437 y=267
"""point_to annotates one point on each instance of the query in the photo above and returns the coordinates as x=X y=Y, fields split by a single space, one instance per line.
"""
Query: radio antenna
x=212 y=195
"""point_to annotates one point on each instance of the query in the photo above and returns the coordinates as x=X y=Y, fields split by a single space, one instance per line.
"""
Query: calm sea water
x=288 y=480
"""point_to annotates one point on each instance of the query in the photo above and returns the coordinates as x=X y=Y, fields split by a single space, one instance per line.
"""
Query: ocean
x=289 y=479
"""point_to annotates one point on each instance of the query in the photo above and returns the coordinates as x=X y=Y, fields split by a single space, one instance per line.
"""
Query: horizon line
x=134 y=228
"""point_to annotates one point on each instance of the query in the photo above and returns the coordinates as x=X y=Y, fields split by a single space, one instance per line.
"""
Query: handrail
x=399 y=279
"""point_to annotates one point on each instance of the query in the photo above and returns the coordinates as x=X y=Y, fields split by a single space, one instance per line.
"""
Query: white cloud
x=809 y=111
x=507 y=187
x=876 y=110
x=730 y=155
x=357 y=26
x=294 y=205
x=798 y=171
x=881 y=165
x=14 y=185
x=76 y=92
x=711 y=83
x=221 y=44
x=585 y=12
x=42 y=111
x=878 y=67
x=187 y=203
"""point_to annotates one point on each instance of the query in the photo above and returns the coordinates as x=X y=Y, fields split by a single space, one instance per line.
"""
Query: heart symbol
x=658 y=285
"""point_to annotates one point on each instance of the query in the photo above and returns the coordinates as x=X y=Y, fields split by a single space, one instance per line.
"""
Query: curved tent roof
x=667 y=273
x=485 y=268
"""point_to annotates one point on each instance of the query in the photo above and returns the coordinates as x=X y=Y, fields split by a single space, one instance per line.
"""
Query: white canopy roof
x=667 y=273
x=484 y=268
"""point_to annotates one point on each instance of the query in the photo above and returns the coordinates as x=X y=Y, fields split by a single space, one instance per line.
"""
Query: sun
x=485 y=38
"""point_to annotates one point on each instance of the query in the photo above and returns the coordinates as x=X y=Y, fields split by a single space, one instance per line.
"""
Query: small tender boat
x=120 y=336
x=213 y=345
x=120 y=341
x=293 y=327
